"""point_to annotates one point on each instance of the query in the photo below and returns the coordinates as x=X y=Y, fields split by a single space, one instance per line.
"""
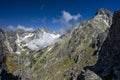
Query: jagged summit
x=104 y=15
x=108 y=66
x=103 y=11
x=42 y=30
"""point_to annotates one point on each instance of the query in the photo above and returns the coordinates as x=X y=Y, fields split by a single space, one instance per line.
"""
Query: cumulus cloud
x=13 y=28
x=66 y=20
x=67 y=16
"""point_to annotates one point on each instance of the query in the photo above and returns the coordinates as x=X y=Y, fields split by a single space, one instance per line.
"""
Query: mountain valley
x=88 y=51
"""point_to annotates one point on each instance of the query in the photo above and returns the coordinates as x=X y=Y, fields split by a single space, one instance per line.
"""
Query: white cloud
x=42 y=41
x=13 y=28
x=66 y=18
x=62 y=31
x=76 y=17
x=25 y=28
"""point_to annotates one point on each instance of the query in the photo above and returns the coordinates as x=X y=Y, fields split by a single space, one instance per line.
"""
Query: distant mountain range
x=30 y=40
x=88 y=51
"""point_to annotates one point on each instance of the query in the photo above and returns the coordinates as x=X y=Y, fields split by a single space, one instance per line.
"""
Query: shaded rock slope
x=108 y=64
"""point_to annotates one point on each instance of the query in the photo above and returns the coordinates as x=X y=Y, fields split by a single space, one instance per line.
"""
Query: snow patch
x=106 y=22
x=43 y=41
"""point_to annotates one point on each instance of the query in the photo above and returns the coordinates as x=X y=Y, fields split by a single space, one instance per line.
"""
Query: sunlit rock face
x=105 y=15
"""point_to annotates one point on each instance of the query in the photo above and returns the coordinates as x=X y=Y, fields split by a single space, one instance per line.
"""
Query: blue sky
x=53 y=14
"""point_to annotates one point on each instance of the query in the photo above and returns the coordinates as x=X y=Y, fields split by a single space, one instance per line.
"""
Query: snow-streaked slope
x=36 y=40
x=44 y=40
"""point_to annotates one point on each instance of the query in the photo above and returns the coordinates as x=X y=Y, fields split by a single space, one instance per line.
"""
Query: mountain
x=108 y=66
x=31 y=40
x=88 y=51
x=4 y=48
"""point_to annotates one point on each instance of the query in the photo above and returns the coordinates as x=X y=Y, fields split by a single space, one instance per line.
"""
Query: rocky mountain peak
x=42 y=30
x=103 y=11
x=20 y=31
x=108 y=66
x=38 y=30
x=104 y=15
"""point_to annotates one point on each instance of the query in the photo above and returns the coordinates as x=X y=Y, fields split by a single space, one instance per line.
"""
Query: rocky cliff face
x=107 y=66
x=4 y=48
x=109 y=56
